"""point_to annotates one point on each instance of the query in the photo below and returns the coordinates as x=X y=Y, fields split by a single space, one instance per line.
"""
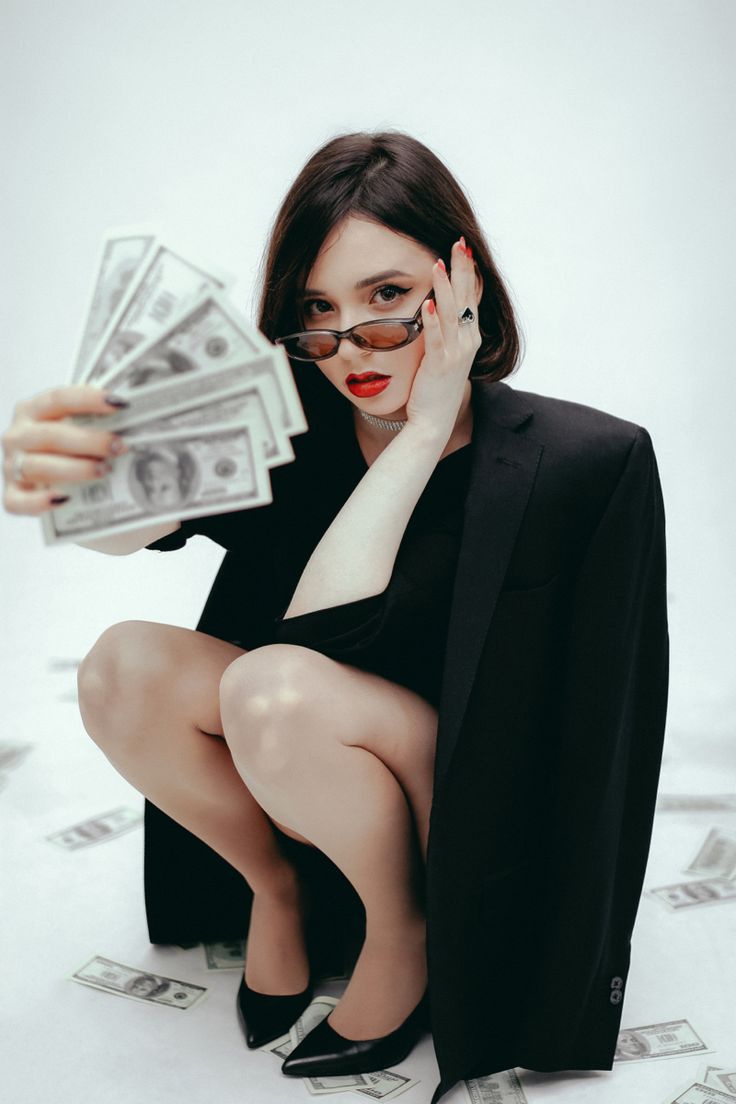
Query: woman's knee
x=114 y=676
x=263 y=696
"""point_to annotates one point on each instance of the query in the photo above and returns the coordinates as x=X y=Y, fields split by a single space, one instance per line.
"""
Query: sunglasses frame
x=413 y=326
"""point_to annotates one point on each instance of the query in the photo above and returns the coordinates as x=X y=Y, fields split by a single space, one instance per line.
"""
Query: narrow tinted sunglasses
x=379 y=335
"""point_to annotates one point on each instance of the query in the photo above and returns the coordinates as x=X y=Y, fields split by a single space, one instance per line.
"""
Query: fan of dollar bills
x=213 y=403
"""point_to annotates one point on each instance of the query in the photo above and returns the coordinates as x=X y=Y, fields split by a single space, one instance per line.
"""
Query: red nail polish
x=441 y=263
x=469 y=253
x=430 y=306
x=462 y=243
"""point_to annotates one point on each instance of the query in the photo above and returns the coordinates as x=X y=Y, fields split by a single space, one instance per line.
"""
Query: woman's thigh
x=168 y=667
x=358 y=708
x=149 y=661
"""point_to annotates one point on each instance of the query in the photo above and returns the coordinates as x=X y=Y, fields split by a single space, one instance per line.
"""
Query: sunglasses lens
x=381 y=335
x=310 y=345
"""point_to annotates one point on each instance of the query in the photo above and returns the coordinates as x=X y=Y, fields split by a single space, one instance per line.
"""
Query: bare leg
x=284 y=710
x=148 y=696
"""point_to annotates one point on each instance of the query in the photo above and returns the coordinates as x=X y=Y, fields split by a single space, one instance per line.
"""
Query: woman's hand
x=449 y=347
x=51 y=451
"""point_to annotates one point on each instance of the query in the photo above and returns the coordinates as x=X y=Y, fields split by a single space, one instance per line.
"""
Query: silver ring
x=17 y=469
x=466 y=316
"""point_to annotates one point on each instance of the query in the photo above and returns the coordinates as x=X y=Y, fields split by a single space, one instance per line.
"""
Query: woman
x=454 y=606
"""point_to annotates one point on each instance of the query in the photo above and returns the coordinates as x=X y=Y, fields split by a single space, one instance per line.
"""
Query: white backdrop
x=595 y=140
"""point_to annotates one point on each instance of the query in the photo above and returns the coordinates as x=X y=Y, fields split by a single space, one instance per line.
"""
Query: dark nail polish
x=114 y=400
x=58 y=499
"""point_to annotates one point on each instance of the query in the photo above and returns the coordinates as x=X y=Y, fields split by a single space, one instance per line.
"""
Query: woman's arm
x=355 y=557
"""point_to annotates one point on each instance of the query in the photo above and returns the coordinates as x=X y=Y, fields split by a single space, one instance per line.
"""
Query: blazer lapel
x=503 y=469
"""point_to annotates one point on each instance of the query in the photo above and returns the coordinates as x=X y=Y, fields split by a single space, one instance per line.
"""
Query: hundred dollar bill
x=165 y=477
x=318 y=1008
x=496 y=1088
x=662 y=1040
x=12 y=754
x=377 y=1085
x=386 y=1085
x=698 y=1093
x=227 y=954
x=725 y=1080
x=705 y=1072
x=161 y=286
x=205 y=333
x=709 y=891
x=263 y=386
x=136 y=984
x=686 y=803
x=123 y=251
x=717 y=855
x=97 y=829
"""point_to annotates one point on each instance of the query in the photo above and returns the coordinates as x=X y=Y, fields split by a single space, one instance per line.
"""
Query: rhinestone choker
x=383 y=423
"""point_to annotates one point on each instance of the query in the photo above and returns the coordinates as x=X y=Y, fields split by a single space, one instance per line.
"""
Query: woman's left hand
x=449 y=347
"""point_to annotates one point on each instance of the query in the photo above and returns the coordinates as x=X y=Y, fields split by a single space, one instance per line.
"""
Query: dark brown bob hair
x=394 y=179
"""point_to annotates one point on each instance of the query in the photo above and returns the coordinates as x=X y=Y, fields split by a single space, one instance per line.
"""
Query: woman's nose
x=351 y=353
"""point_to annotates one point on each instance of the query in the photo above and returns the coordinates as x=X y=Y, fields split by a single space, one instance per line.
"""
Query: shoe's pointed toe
x=326 y=1053
x=264 y=1017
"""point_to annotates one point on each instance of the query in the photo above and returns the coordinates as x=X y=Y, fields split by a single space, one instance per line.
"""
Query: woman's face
x=399 y=275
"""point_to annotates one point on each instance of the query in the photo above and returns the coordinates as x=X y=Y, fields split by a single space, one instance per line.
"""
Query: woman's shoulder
x=570 y=427
x=585 y=450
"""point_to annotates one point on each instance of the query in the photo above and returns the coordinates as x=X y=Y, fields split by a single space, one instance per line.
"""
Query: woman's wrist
x=431 y=438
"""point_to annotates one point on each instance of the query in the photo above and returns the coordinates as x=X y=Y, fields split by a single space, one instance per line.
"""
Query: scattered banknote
x=137 y=984
x=717 y=855
x=212 y=402
x=662 y=1040
x=699 y=1093
x=705 y=1072
x=62 y=664
x=384 y=1085
x=722 y=1079
x=685 y=803
x=496 y=1088
x=226 y=954
x=97 y=829
x=708 y=891
x=319 y=1007
x=12 y=754
x=376 y=1085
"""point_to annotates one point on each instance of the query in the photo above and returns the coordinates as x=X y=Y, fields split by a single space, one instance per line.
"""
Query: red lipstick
x=366 y=384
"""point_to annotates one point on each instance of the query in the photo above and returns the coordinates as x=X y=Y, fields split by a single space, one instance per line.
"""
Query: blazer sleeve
x=603 y=795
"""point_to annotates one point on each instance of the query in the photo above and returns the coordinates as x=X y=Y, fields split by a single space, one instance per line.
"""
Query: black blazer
x=551 y=727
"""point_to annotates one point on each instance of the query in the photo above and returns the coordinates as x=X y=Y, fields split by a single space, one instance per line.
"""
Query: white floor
x=64 y=1041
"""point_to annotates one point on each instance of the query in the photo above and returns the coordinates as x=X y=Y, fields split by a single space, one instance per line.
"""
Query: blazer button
x=616 y=996
x=617 y=983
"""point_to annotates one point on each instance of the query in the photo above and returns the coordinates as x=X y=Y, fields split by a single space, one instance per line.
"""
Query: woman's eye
x=392 y=287
x=310 y=304
x=314 y=307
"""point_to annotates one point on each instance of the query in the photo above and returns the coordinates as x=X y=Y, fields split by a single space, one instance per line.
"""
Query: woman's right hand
x=52 y=451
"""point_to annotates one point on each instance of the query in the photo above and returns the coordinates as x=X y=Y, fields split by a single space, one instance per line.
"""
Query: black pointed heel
x=324 y=1052
x=265 y=1016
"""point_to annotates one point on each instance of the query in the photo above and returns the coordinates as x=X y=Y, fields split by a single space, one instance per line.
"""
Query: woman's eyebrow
x=363 y=283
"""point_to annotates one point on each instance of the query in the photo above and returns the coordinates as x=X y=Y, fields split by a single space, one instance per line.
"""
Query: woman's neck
x=373 y=440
